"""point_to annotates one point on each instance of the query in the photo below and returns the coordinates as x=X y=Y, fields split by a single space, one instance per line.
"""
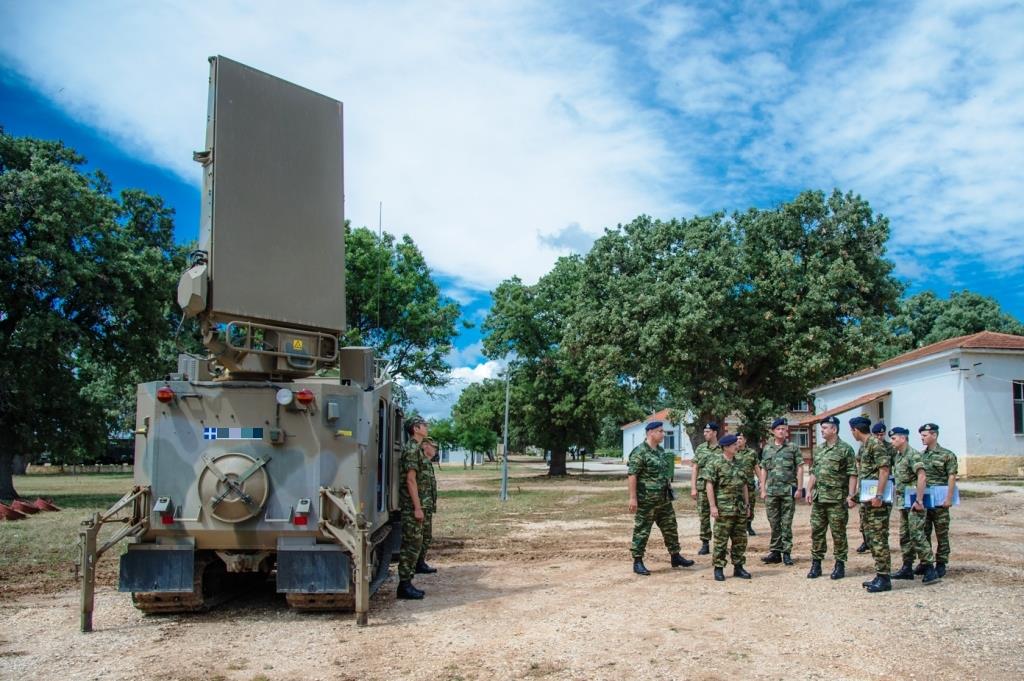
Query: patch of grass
x=976 y=494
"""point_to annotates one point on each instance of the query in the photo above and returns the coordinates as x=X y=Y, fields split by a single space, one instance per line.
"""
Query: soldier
x=748 y=457
x=940 y=469
x=705 y=453
x=875 y=464
x=908 y=469
x=782 y=483
x=728 y=491
x=414 y=468
x=428 y=495
x=831 y=491
x=651 y=469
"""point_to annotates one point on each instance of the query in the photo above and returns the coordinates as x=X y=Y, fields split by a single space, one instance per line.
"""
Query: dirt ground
x=554 y=598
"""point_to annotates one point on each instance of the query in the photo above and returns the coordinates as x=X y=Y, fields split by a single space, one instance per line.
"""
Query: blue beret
x=711 y=425
x=860 y=422
x=898 y=430
x=727 y=440
x=928 y=426
x=878 y=428
x=834 y=420
x=653 y=424
x=779 y=422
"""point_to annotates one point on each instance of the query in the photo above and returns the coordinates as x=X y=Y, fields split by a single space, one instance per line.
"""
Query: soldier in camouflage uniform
x=413 y=466
x=875 y=464
x=428 y=495
x=728 y=490
x=651 y=470
x=940 y=468
x=878 y=431
x=908 y=470
x=705 y=453
x=751 y=461
x=782 y=483
x=831 y=491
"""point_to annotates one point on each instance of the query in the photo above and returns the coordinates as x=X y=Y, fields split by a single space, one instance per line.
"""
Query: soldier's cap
x=860 y=422
x=878 y=427
x=928 y=426
x=412 y=423
x=727 y=440
x=651 y=425
x=711 y=425
x=779 y=422
x=898 y=430
x=429 y=441
x=834 y=420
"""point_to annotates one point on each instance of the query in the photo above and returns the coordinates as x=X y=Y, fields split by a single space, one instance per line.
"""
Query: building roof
x=846 y=406
x=983 y=340
x=661 y=415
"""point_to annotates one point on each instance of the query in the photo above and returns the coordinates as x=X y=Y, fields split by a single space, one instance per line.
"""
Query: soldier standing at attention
x=908 y=469
x=748 y=457
x=875 y=464
x=413 y=467
x=705 y=453
x=428 y=497
x=651 y=469
x=877 y=431
x=940 y=469
x=728 y=490
x=782 y=483
x=831 y=491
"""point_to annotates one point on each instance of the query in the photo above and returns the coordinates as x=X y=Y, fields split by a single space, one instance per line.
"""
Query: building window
x=801 y=437
x=670 y=440
x=1018 y=407
x=802 y=405
x=881 y=411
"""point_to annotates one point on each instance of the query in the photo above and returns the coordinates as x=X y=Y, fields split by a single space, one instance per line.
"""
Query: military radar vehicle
x=246 y=460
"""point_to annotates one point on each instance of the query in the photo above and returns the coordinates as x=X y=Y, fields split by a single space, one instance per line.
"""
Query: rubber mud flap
x=157 y=569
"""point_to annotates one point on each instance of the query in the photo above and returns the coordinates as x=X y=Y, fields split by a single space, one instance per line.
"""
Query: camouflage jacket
x=939 y=464
x=748 y=457
x=780 y=463
x=833 y=465
x=904 y=468
x=702 y=458
x=653 y=468
x=872 y=456
x=728 y=478
x=414 y=460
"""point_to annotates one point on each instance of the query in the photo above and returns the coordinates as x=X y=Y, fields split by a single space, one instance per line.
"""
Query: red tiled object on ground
x=44 y=505
x=8 y=513
x=21 y=506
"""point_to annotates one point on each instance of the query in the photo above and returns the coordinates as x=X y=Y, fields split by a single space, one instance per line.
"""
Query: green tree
x=88 y=283
x=924 y=318
x=393 y=305
x=478 y=415
x=444 y=433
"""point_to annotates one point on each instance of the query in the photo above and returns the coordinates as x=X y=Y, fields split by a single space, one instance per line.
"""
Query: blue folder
x=934 y=496
x=869 y=488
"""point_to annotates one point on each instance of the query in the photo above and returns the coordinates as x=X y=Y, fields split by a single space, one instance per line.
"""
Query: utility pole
x=504 y=450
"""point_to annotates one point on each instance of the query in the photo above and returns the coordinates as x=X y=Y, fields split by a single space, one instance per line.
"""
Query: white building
x=971 y=386
x=676 y=439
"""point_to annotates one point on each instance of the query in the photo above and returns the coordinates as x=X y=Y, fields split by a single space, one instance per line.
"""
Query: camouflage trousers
x=876 y=529
x=412 y=545
x=754 y=492
x=428 y=535
x=730 y=529
x=913 y=542
x=825 y=518
x=780 y=508
x=704 y=509
x=937 y=519
x=654 y=508
x=863 y=522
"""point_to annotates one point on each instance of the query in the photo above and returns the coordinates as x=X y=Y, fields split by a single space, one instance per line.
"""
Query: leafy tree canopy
x=924 y=319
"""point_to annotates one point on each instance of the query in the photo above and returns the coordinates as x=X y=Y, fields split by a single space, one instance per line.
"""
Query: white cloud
x=440 y=405
x=477 y=126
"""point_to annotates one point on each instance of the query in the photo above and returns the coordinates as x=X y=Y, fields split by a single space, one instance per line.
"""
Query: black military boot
x=839 y=571
x=639 y=567
x=719 y=575
x=678 y=560
x=408 y=591
x=905 y=572
x=940 y=569
x=786 y=559
x=750 y=529
x=423 y=569
x=881 y=583
x=931 y=575
x=863 y=548
x=921 y=567
x=704 y=550
x=738 y=571
x=815 y=570
x=772 y=557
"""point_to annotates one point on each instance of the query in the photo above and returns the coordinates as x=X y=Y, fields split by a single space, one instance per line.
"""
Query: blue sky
x=500 y=135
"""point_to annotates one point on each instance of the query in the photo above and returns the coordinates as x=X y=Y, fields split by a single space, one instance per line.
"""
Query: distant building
x=971 y=386
x=676 y=439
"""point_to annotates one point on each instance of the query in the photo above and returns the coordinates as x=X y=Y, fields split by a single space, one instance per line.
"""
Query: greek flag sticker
x=232 y=433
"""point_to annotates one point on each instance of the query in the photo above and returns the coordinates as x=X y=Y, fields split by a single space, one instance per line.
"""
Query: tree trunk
x=557 y=465
x=20 y=464
x=7 y=491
